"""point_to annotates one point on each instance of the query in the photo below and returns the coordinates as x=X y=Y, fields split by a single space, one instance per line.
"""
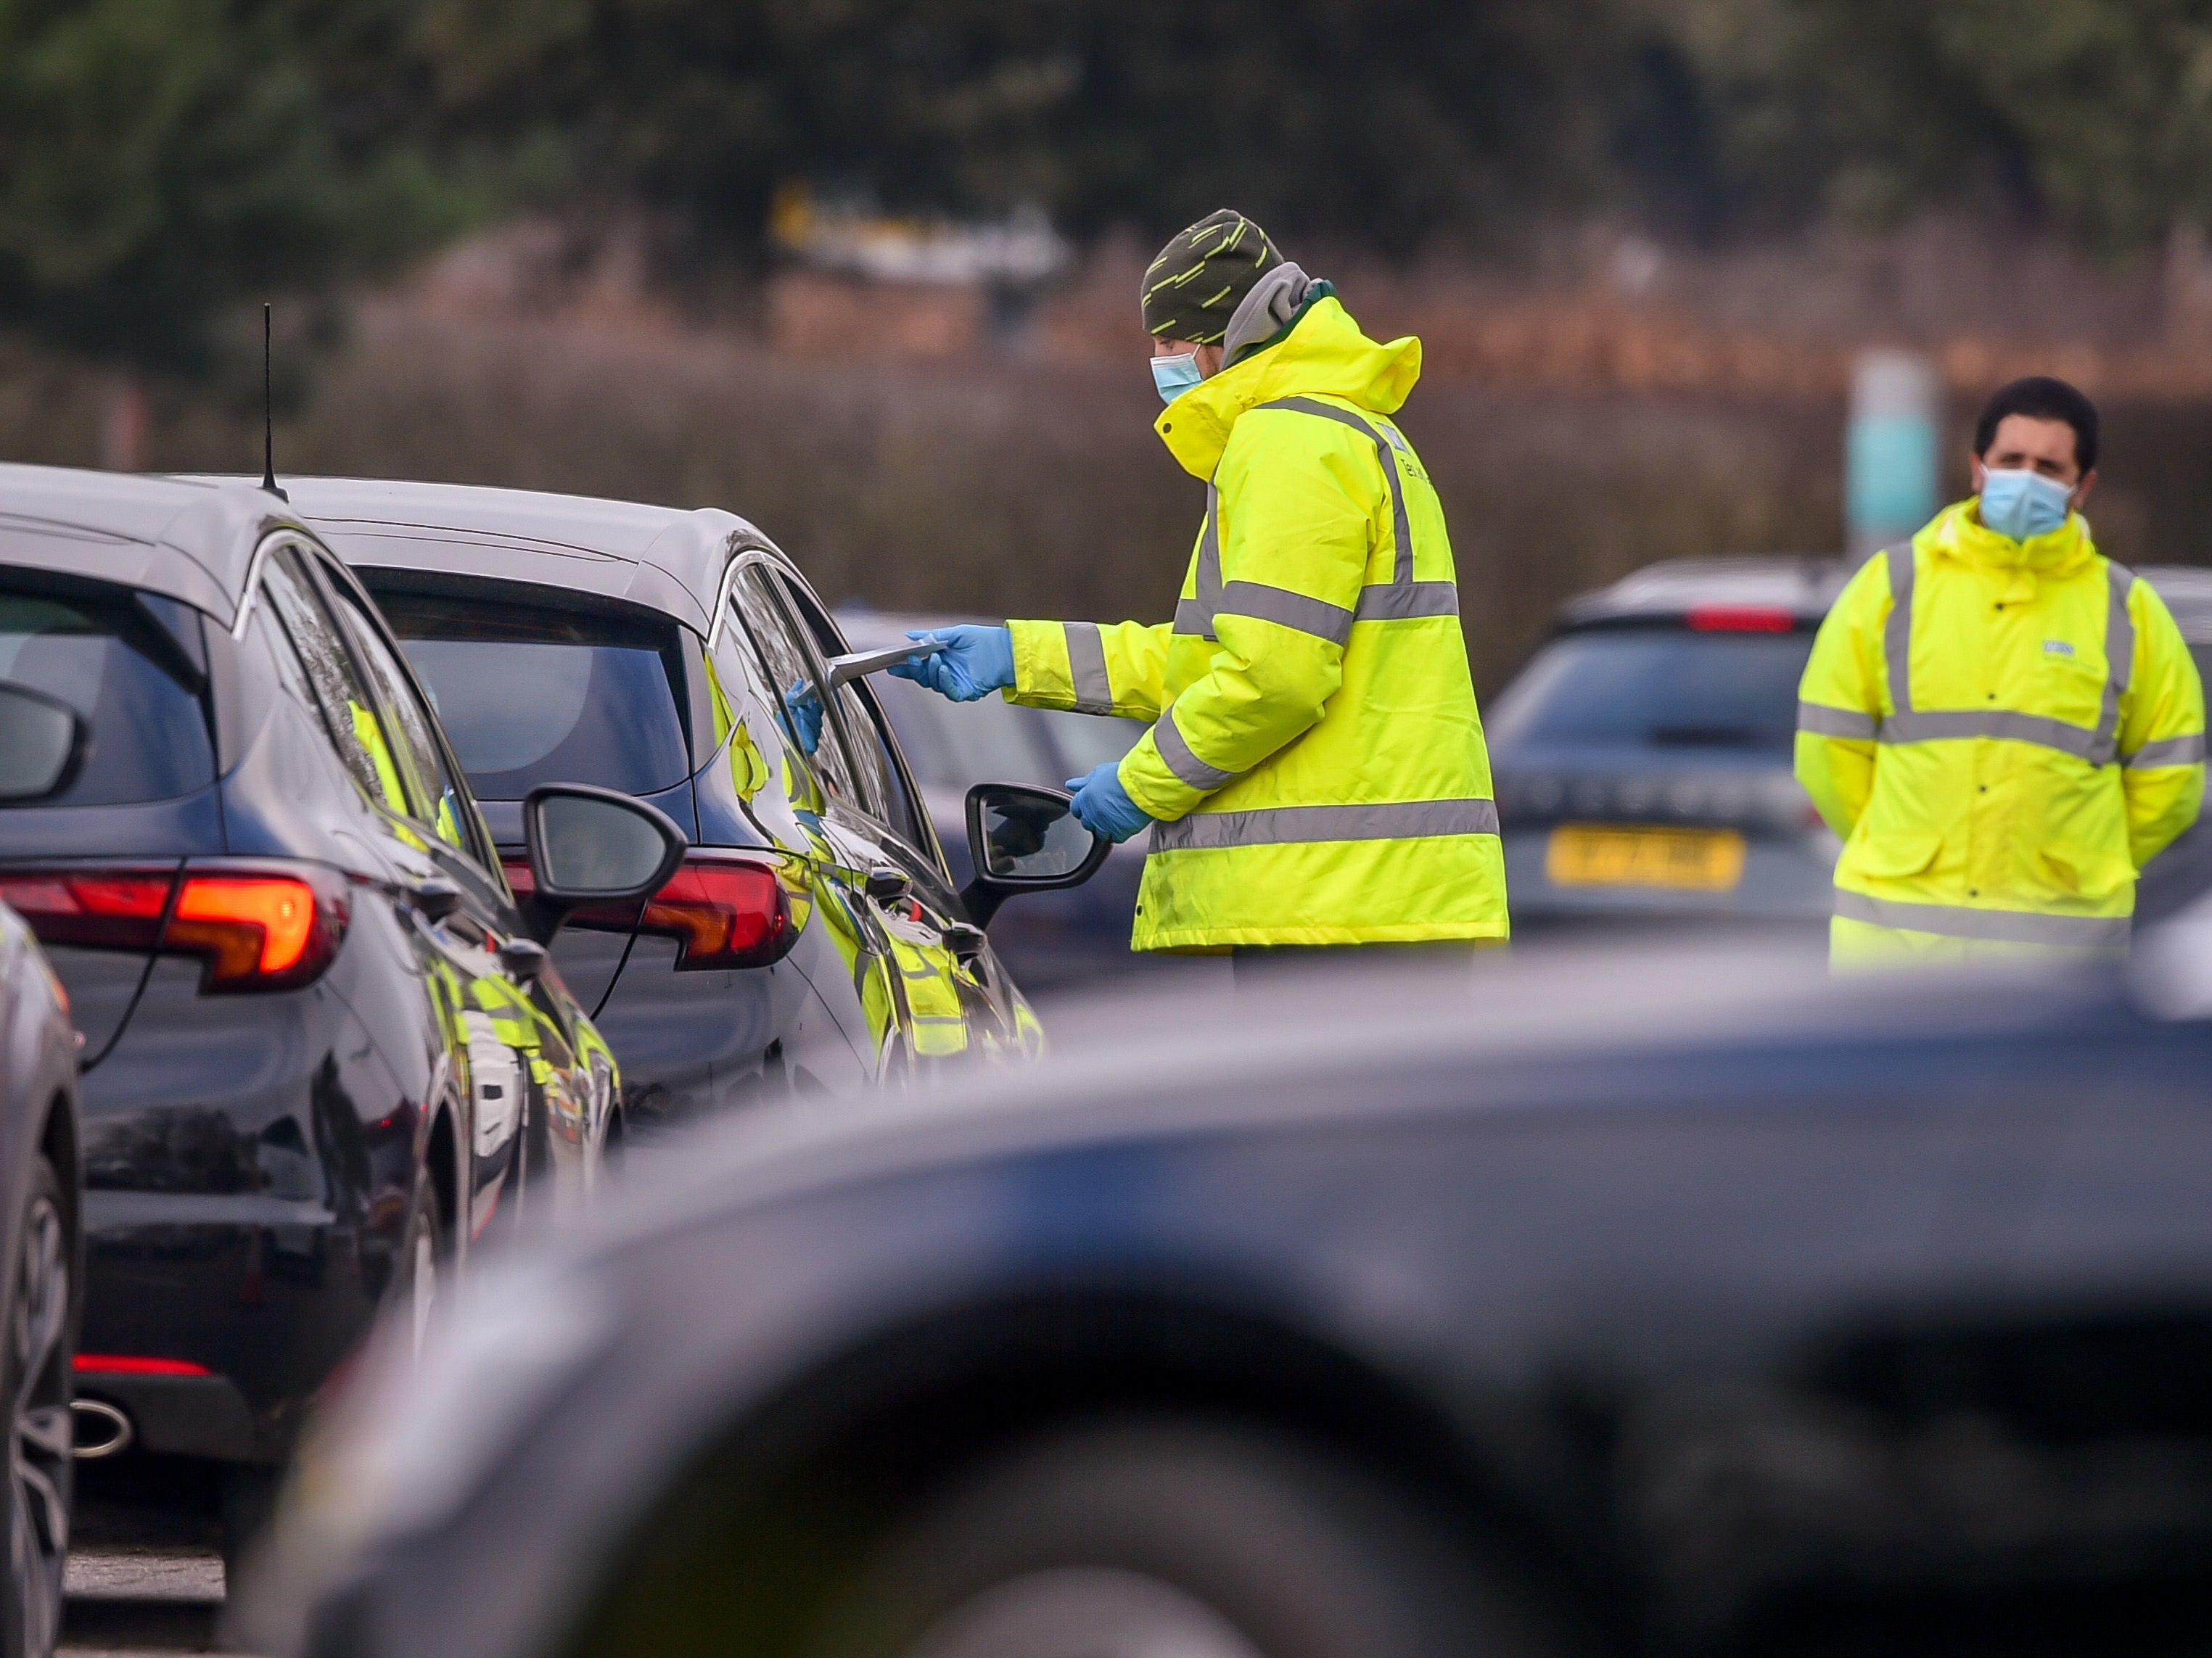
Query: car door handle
x=434 y=899
x=525 y=959
x=886 y=883
x=966 y=939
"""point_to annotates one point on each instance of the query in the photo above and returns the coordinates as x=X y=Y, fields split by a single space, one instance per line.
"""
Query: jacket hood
x=1958 y=532
x=1324 y=353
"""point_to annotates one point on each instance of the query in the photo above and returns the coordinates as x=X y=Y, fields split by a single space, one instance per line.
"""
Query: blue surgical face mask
x=1175 y=375
x=2023 y=504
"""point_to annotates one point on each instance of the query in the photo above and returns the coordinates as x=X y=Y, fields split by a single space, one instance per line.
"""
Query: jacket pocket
x=1893 y=857
x=2088 y=872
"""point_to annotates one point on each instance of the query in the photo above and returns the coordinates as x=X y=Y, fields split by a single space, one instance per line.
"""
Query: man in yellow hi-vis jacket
x=2004 y=724
x=1315 y=773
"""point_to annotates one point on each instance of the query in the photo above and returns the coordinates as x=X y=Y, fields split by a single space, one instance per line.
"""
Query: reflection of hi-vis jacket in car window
x=1316 y=762
x=2004 y=734
x=929 y=977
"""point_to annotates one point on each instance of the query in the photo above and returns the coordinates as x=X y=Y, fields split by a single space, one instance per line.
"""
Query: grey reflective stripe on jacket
x=2010 y=927
x=1086 y=666
x=1400 y=599
x=1175 y=749
x=2098 y=746
x=1404 y=820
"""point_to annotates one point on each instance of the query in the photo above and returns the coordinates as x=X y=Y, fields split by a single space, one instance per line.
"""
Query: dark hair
x=2041 y=398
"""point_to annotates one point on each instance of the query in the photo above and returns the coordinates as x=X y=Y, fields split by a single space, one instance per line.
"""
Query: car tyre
x=424 y=1273
x=41 y=1344
x=1169 y=1541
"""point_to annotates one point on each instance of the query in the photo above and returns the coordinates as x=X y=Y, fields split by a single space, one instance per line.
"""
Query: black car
x=1643 y=758
x=1628 y=1303
x=814 y=940
x=320 y=1050
x=42 y=748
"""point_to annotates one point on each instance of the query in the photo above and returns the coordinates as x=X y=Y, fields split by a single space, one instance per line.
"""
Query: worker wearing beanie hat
x=1315 y=773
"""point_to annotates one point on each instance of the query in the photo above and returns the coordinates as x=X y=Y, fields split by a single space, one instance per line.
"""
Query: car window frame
x=816 y=623
x=792 y=629
x=479 y=853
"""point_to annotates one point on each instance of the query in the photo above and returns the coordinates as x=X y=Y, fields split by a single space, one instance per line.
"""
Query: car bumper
x=1784 y=881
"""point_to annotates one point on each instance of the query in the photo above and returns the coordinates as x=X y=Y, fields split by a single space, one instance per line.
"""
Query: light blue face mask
x=2022 y=504
x=1175 y=375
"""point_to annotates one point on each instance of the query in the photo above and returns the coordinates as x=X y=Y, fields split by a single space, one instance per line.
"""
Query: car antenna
x=268 y=409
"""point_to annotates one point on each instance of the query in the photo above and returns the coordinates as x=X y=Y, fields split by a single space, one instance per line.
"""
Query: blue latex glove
x=975 y=662
x=804 y=711
x=1103 y=806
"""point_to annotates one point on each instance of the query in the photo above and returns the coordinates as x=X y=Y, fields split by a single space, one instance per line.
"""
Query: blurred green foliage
x=161 y=159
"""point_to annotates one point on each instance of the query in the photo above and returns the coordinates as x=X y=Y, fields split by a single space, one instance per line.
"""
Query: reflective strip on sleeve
x=1268 y=826
x=2168 y=751
x=1286 y=610
x=1086 y=664
x=1190 y=618
x=1897 y=633
x=1400 y=525
x=2010 y=927
x=1167 y=738
x=1401 y=603
x=1824 y=721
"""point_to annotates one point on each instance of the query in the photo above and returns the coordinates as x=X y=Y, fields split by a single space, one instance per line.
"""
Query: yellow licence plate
x=1695 y=860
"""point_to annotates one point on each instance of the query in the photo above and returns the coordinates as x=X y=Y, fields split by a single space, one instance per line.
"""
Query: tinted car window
x=531 y=694
x=130 y=666
x=438 y=802
x=1658 y=689
x=774 y=633
x=343 y=698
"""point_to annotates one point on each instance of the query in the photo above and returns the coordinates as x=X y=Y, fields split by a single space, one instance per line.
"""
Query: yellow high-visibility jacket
x=2003 y=733
x=1316 y=762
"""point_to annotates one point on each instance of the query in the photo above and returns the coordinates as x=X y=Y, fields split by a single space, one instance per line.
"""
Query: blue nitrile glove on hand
x=1103 y=806
x=804 y=709
x=975 y=662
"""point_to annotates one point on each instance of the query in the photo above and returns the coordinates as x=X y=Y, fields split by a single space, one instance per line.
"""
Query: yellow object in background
x=1604 y=855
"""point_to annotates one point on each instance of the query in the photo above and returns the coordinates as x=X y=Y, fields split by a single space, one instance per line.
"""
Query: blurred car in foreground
x=1059 y=942
x=1643 y=759
x=42 y=748
x=814 y=938
x=2182 y=872
x=320 y=1051
x=1620 y=1303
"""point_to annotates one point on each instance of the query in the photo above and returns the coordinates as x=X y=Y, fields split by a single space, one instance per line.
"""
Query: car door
x=510 y=1044
x=960 y=1000
x=863 y=993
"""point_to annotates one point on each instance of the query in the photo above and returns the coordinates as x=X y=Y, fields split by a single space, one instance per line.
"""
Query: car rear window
x=1657 y=688
x=133 y=664
x=531 y=694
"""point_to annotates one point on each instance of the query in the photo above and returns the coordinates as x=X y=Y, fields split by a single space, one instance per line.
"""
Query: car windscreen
x=1657 y=688
x=133 y=664
x=533 y=694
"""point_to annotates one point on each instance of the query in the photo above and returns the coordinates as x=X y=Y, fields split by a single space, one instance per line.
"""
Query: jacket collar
x=1959 y=533
x=1324 y=352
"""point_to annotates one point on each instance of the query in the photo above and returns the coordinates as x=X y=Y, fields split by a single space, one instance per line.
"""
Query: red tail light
x=724 y=912
x=258 y=927
x=133 y=1365
x=1742 y=619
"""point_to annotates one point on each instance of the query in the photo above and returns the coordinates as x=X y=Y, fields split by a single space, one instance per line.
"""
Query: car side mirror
x=43 y=742
x=592 y=846
x=1022 y=838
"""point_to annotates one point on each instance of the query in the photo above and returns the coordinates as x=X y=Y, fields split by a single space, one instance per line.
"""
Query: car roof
x=190 y=539
x=668 y=559
x=2187 y=591
x=1805 y=586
